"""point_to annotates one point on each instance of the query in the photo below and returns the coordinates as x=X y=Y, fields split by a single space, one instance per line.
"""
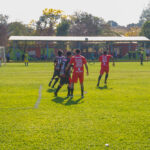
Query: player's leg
x=69 y=86
x=59 y=86
x=106 y=76
x=82 y=90
x=74 y=80
x=100 y=76
x=81 y=78
x=56 y=80
x=71 y=90
x=54 y=75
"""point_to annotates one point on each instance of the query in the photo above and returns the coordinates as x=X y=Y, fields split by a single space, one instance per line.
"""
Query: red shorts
x=104 y=69
x=77 y=75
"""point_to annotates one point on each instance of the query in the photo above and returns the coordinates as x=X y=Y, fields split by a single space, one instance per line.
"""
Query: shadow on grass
x=105 y=87
x=59 y=100
x=69 y=102
x=72 y=102
x=51 y=90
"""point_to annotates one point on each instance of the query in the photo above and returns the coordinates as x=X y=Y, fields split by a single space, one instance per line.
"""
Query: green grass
x=118 y=114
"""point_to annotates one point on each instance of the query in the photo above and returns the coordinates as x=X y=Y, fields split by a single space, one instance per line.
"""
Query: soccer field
x=31 y=118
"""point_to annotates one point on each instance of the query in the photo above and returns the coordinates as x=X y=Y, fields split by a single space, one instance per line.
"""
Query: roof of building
x=80 y=38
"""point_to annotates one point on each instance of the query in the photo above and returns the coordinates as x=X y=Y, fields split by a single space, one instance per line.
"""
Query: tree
x=17 y=28
x=46 y=24
x=145 y=31
x=145 y=16
x=3 y=30
x=63 y=28
x=83 y=24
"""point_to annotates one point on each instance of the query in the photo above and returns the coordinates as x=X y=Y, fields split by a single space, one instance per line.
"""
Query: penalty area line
x=39 y=98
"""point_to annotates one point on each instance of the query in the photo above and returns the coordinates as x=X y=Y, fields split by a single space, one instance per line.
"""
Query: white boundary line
x=39 y=98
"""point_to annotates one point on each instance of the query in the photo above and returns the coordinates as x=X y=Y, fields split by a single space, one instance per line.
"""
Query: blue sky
x=121 y=11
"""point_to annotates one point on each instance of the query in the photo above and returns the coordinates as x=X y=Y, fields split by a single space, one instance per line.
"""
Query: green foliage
x=17 y=28
x=84 y=24
x=146 y=29
x=117 y=114
x=145 y=16
x=47 y=22
x=3 y=30
x=63 y=28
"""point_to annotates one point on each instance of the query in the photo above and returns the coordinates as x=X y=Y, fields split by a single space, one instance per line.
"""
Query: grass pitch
x=118 y=114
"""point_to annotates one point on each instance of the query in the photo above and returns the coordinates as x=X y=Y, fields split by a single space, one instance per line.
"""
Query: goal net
x=2 y=55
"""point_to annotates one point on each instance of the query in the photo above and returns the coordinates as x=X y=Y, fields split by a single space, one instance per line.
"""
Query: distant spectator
x=129 y=54
x=115 y=55
x=26 y=58
x=7 y=57
x=23 y=57
x=18 y=56
x=147 y=54
x=134 y=54
x=141 y=56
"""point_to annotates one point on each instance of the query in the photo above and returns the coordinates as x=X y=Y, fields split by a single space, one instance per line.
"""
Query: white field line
x=39 y=98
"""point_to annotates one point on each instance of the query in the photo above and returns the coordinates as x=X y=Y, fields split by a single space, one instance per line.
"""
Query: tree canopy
x=146 y=29
x=145 y=16
x=3 y=30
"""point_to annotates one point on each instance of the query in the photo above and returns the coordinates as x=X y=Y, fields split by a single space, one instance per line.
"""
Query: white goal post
x=2 y=55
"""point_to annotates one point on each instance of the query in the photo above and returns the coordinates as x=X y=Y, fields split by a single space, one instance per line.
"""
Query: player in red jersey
x=78 y=62
x=104 y=59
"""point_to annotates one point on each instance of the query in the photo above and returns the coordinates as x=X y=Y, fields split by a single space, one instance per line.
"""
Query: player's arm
x=86 y=66
x=87 y=70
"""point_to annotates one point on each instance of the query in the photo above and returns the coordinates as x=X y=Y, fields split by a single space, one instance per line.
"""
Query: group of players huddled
x=64 y=65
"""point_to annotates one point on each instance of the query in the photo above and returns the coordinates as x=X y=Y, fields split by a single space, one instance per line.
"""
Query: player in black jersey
x=65 y=74
x=57 y=66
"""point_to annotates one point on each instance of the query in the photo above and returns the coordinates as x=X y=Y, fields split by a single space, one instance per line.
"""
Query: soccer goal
x=2 y=55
